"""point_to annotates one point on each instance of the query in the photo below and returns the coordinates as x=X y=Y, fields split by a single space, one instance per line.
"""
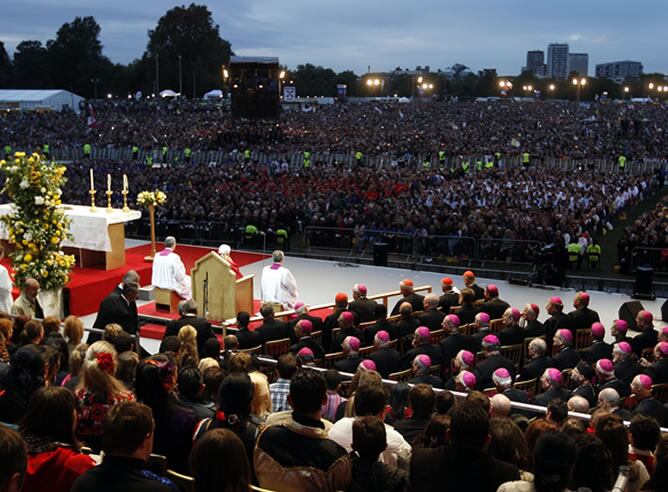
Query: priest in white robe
x=169 y=272
x=279 y=286
x=5 y=287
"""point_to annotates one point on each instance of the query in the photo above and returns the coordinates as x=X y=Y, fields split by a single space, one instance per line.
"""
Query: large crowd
x=542 y=128
x=224 y=420
x=644 y=241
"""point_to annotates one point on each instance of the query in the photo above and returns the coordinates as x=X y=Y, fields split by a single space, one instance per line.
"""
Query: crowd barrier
x=657 y=258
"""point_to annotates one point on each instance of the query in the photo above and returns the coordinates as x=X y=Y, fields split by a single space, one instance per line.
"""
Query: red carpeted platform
x=89 y=286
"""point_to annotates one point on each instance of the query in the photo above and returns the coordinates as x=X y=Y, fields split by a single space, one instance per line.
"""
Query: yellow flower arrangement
x=37 y=227
x=147 y=198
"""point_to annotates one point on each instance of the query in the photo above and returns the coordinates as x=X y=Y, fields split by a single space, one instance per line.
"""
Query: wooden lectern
x=217 y=292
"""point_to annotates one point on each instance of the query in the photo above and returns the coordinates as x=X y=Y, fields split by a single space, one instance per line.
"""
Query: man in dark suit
x=386 y=358
x=466 y=310
x=493 y=360
x=362 y=308
x=538 y=360
x=118 y=308
x=482 y=330
x=348 y=329
x=658 y=371
x=626 y=368
x=454 y=341
x=301 y=310
x=450 y=296
x=464 y=461
x=416 y=300
x=271 y=328
x=558 y=319
x=188 y=312
x=582 y=316
x=512 y=334
x=619 y=330
x=431 y=316
x=469 y=283
x=406 y=324
x=504 y=385
x=245 y=338
x=422 y=345
x=420 y=367
x=493 y=305
x=605 y=376
x=599 y=348
x=641 y=386
x=532 y=327
x=380 y=315
x=610 y=400
x=350 y=347
x=303 y=330
x=550 y=382
x=332 y=321
x=648 y=335
x=566 y=357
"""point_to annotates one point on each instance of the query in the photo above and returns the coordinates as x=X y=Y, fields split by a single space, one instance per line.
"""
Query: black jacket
x=587 y=392
x=550 y=394
x=478 y=292
x=535 y=368
x=566 y=358
x=249 y=339
x=432 y=319
x=448 y=300
x=363 y=309
x=495 y=308
x=415 y=300
x=452 y=344
x=403 y=327
x=317 y=323
x=552 y=324
x=349 y=364
x=512 y=335
x=125 y=474
x=533 y=329
x=486 y=367
x=348 y=332
x=652 y=408
x=433 y=351
x=466 y=314
x=431 y=380
x=658 y=371
x=646 y=339
x=116 y=309
x=316 y=348
x=203 y=327
x=626 y=370
x=376 y=477
x=582 y=318
x=598 y=350
x=622 y=388
x=272 y=329
x=387 y=361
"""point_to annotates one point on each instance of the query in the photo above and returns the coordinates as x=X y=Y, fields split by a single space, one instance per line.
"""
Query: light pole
x=505 y=86
x=180 y=77
x=627 y=90
x=551 y=88
x=95 y=82
x=579 y=84
x=527 y=89
x=157 y=74
x=226 y=76
x=281 y=76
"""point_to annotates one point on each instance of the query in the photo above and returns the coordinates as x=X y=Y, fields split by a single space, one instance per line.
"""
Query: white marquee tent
x=56 y=100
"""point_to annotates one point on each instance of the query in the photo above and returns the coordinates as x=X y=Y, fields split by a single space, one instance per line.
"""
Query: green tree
x=189 y=33
x=5 y=67
x=31 y=69
x=75 y=57
x=349 y=78
x=314 y=81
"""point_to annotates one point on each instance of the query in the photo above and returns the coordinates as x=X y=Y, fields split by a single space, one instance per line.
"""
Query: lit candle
x=108 y=182
x=125 y=182
x=92 y=182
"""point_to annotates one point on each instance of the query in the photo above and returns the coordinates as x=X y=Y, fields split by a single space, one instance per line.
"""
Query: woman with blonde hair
x=73 y=332
x=77 y=358
x=6 y=333
x=188 y=354
x=98 y=391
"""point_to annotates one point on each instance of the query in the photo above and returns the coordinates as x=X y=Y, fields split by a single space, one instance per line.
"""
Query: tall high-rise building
x=535 y=58
x=619 y=70
x=578 y=63
x=557 y=60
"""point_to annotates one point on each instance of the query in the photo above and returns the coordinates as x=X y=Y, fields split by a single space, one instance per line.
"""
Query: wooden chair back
x=437 y=336
x=513 y=352
x=528 y=385
x=648 y=354
x=496 y=325
x=468 y=329
x=365 y=351
x=317 y=336
x=253 y=350
x=183 y=482
x=331 y=359
x=660 y=392
x=401 y=375
x=583 y=338
x=276 y=348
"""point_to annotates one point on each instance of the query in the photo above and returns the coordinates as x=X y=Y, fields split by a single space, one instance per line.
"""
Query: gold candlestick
x=109 y=193
x=93 y=208
x=125 y=201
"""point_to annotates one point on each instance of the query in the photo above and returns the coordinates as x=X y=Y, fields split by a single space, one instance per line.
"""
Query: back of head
x=13 y=459
x=154 y=381
x=645 y=432
x=211 y=348
x=59 y=404
x=370 y=399
x=444 y=402
x=467 y=296
x=51 y=324
x=592 y=455
x=26 y=370
x=213 y=448
x=508 y=443
x=236 y=394
x=127 y=366
x=32 y=332
x=126 y=427
x=557 y=410
x=130 y=276
x=277 y=256
x=99 y=369
x=240 y=362
x=243 y=318
x=190 y=382
x=170 y=242
x=369 y=437
x=213 y=378
x=422 y=400
x=267 y=311
x=611 y=431
x=287 y=366
x=170 y=343
x=307 y=391
x=554 y=458
x=469 y=426
x=189 y=307
x=231 y=342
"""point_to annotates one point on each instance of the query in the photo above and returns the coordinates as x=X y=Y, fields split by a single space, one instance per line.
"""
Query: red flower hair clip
x=105 y=361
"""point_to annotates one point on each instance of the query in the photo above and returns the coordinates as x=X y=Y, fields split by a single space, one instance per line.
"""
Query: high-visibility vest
x=526 y=158
x=621 y=160
x=489 y=165
x=281 y=236
x=149 y=160
x=165 y=151
x=478 y=165
x=573 y=252
x=466 y=165
x=250 y=231
x=45 y=149
x=135 y=150
x=247 y=154
x=87 y=148
x=441 y=156
x=497 y=156
x=8 y=150
x=426 y=163
x=358 y=156
x=186 y=152
x=307 y=159
x=594 y=253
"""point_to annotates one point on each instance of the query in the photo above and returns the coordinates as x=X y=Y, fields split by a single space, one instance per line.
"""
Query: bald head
x=578 y=404
x=431 y=301
x=608 y=398
x=131 y=276
x=170 y=242
x=500 y=406
x=405 y=309
x=31 y=288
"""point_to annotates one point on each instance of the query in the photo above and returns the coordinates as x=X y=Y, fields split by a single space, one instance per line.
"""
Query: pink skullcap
x=556 y=301
x=535 y=309
x=407 y=282
x=598 y=330
x=493 y=289
x=584 y=297
x=665 y=331
x=382 y=336
x=466 y=357
x=423 y=332
x=483 y=318
x=663 y=348
x=305 y=352
x=621 y=325
x=605 y=365
x=644 y=380
x=348 y=316
x=646 y=316
x=423 y=360
x=453 y=318
x=565 y=335
x=624 y=347
x=341 y=297
x=353 y=343
x=554 y=375
x=299 y=305
x=305 y=325
x=367 y=365
x=515 y=313
x=491 y=340
x=501 y=376
x=361 y=288
x=446 y=281
x=468 y=379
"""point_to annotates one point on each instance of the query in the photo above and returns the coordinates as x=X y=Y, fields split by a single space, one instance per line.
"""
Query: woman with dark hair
x=174 y=423
x=6 y=334
x=235 y=397
x=32 y=332
x=554 y=458
x=54 y=460
x=434 y=434
x=509 y=444
x=398 y=404
x=592 y=455
x=58 y=343
x=218 y=462
x=26 y=374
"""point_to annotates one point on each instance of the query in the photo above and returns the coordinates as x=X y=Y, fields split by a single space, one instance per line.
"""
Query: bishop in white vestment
x=278 y=284
x=169 y=272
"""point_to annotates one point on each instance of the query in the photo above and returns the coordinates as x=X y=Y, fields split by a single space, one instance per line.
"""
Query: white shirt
x=5 y=290
x=397 y=453
x=169 y=272
x=279 y=285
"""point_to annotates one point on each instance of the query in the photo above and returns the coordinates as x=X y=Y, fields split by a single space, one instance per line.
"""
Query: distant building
x=578 y=63
x=619 y=70
x=27 y=99
x=535 y=59
x=557 y=60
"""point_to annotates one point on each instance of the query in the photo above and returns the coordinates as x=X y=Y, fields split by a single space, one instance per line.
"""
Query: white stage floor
x=319 y=281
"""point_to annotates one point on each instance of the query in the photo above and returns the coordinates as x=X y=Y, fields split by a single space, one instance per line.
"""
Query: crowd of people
x=542 y=128
x=219 y=416
x=650 y=230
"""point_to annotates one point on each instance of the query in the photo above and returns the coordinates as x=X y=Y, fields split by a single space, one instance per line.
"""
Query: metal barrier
x=657 y=258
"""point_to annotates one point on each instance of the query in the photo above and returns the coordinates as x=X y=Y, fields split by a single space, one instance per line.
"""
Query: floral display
x=148 y=198
x=37 y=225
